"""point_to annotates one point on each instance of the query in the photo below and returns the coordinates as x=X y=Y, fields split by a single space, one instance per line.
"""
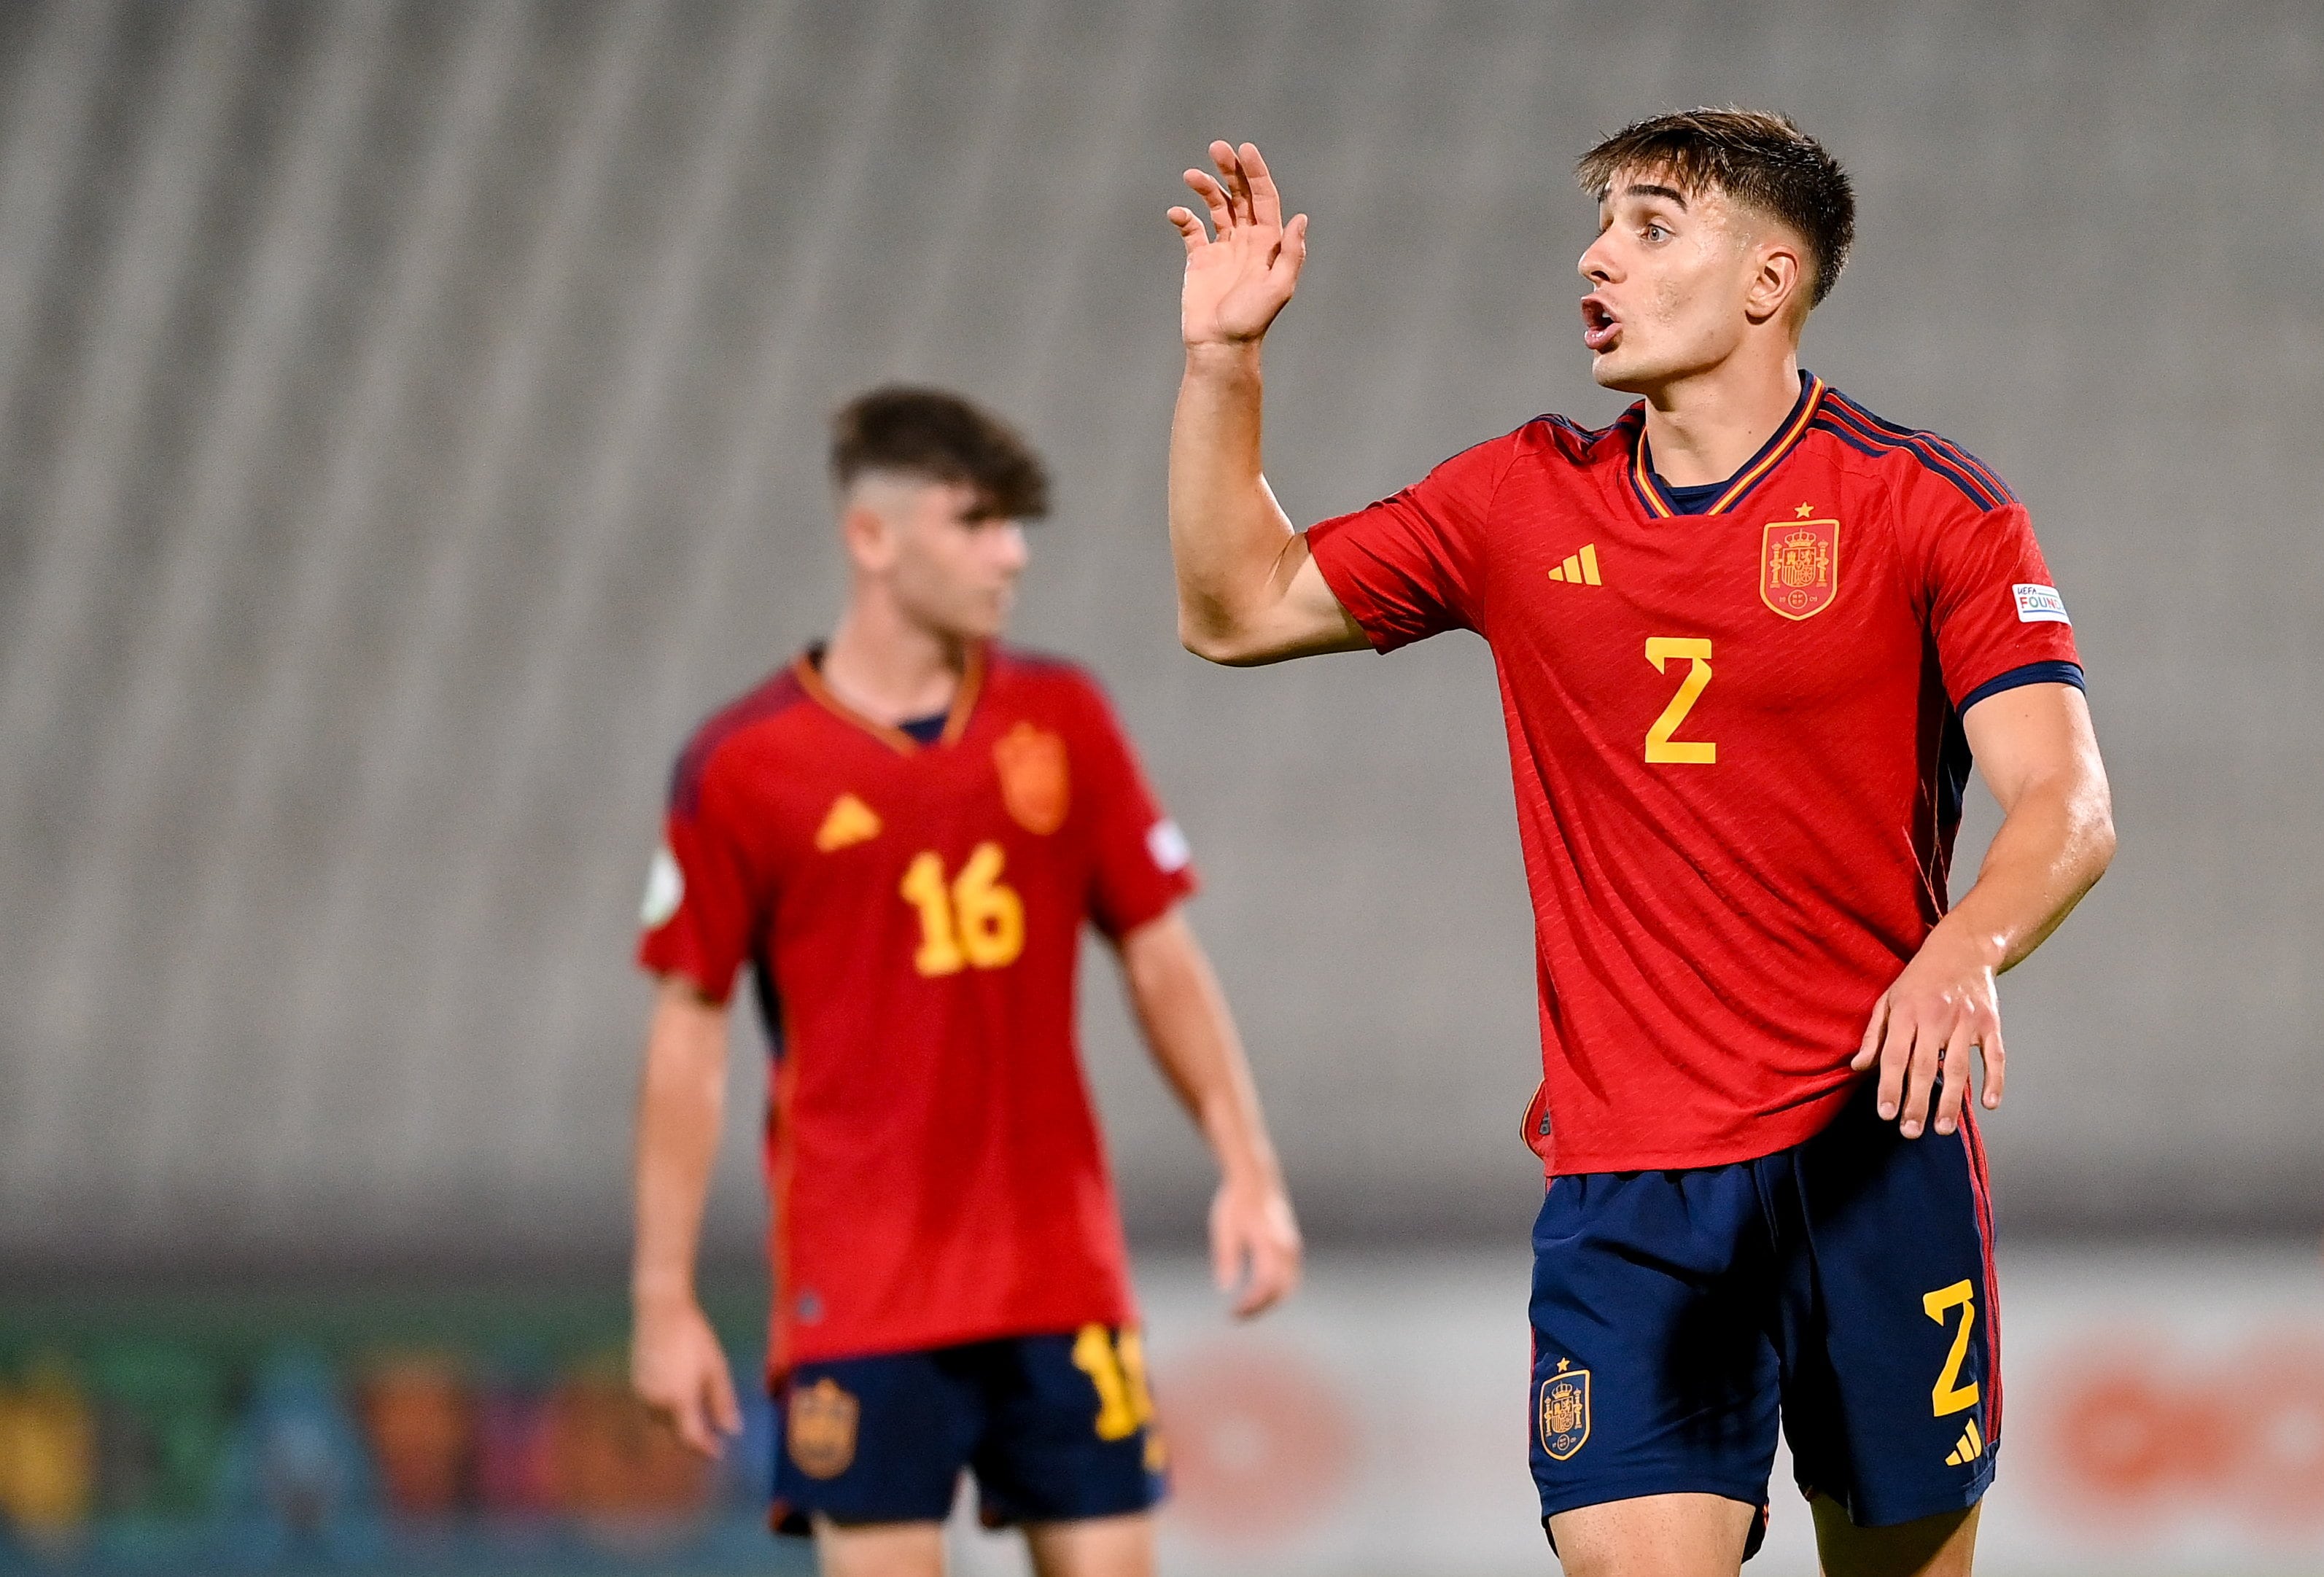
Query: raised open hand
x=1239 y=279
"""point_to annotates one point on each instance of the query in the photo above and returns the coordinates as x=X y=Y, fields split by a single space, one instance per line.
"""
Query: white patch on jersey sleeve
x=1168 y=847
x=665 y=891
x=2040 y=604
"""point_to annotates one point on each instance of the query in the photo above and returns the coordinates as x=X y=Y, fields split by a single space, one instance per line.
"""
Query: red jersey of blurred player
x=913 y=912
x=900 y=837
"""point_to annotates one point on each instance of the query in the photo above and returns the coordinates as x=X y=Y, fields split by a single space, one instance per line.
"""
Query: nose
x=1010 y=549
x=1596 y=265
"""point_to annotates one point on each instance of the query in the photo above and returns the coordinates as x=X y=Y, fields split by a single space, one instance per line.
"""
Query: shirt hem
x=1770 y=1135
x=692 y=975
x=1114 y=1314
x=2062 y=670
x=1350 y=595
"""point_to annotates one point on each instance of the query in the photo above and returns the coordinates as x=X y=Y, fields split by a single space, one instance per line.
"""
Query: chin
x=1612 y=370
x=1634 y=373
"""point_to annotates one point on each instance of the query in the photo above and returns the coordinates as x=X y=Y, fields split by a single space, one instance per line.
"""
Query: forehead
x=910 y=495
x=1652 y=183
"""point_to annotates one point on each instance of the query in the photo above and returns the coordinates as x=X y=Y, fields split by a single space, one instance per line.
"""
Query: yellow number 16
x=1660 y=746
x=976 y=921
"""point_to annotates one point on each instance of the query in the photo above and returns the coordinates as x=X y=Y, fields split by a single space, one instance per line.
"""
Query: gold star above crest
x=1804 y=511
x=1564 y=1364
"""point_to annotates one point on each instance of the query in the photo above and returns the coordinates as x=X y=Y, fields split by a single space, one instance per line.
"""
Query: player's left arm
x=1255 y=1250
x=2036 y=750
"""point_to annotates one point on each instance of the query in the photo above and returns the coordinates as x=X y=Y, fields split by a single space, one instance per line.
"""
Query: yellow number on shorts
x=1116 y=1365
x=1660 y=745
x=977 y=920
x=1950 y=1395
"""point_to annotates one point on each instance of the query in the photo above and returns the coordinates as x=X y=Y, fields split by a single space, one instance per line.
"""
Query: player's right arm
x=1249 y=590
x=676 y=1362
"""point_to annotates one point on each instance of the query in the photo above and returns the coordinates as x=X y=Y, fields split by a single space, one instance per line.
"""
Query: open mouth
x=1600 y=328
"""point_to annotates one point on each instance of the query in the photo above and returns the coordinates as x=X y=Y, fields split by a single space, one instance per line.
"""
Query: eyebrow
x=1650 y=190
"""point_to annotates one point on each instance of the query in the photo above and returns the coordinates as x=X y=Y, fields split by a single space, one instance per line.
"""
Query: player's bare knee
x=879 y=1549
x=1943 y=1546
x=1097 y=1546
x=1655 y=1536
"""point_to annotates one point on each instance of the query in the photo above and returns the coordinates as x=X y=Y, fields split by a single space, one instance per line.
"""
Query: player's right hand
x=679 y=1370
x=1255 y=1246
x=1239 y=279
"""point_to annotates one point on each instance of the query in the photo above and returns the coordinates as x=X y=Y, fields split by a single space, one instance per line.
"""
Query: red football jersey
x=1735 y=742
x=912 y=916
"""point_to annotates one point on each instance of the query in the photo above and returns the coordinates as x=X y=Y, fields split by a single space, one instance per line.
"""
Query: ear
x=1779 y=280
x=868 y=535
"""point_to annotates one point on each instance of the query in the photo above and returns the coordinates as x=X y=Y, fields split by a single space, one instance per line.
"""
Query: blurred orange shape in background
x=1260 y=1445
x=48 y=1458
x=423 y=1427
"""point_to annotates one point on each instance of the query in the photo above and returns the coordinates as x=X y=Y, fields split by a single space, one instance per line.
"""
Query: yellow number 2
x=1116 y=1366
x=976 y=920
x=1950 y=1395
x=1660 y=745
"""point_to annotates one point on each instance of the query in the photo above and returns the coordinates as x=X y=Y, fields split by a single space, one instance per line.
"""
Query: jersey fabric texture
x=885 y=1439
x=1737 y=742
x=911 y=916
x=1850 y=1275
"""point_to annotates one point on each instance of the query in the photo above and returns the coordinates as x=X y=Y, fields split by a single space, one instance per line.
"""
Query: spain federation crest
x=1564 y=1411
x=1036 y=781
x=821 y=1428
x=1799 y=567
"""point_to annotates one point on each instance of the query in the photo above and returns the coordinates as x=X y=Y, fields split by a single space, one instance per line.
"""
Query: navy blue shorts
x=1055 y=1429
x=1845 y=1283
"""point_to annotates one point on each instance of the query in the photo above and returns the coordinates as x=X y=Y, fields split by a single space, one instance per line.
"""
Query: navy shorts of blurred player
x=1054 y=1428
x=1845 y=1284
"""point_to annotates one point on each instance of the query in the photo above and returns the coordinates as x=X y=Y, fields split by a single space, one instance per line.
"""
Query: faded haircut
x=1757 y=160
x=939 y=437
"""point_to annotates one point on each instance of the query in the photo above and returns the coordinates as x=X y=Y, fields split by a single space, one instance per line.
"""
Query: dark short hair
x=940 y=437
x=1761 y=161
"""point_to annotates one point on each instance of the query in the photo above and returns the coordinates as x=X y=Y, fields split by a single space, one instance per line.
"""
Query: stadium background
x=411 y=423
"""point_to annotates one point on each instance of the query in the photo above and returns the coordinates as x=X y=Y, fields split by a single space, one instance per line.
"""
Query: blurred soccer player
x=902 y=834
x=1748 y=636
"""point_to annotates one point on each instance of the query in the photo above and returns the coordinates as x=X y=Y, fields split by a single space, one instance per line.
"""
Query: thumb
x=725 y=1411
x=1292 y=256
x=693 y=1429
x=1226 y=1249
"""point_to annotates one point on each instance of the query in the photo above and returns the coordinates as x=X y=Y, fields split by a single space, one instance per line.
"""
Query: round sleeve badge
x=665 y=891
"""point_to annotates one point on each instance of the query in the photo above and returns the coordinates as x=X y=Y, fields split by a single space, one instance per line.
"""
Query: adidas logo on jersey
x=1971 y=1446
x=1579 y=569
x=848 y=822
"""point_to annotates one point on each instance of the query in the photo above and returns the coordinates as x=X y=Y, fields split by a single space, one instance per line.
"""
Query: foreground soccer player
x=1748 y=636
x=903 y=834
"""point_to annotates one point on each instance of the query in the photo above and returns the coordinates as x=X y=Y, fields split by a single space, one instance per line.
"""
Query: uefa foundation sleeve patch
x=2040 y=604
x=665 y=891
x=1167 y=847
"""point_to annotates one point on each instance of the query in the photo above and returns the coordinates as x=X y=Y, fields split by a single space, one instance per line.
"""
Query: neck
x=890 y=667
x=1706 y=426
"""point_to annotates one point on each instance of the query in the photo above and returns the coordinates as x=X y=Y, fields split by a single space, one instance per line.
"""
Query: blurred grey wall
x=409 y=424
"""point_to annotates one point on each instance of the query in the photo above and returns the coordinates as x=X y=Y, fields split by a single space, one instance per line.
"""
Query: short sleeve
x=1412 y=565
x=1993 y=607
x=1140 y=865
x=699 y=910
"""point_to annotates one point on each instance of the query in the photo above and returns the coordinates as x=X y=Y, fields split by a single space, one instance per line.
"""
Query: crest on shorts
x=1799 y=567
x=821 y=1430
x=1564 y=1411
x=1035 y=783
